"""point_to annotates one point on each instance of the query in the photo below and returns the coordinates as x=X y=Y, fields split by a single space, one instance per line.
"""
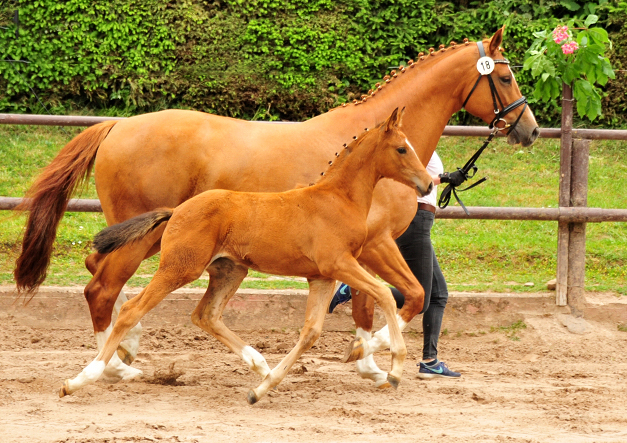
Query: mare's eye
x=506 y=80
x=401 y=150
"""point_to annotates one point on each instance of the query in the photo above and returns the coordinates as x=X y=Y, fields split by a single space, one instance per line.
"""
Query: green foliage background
x=260 y=59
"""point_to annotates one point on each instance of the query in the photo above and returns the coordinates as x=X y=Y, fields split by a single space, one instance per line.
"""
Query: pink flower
x=560 y=34
x=569 y=48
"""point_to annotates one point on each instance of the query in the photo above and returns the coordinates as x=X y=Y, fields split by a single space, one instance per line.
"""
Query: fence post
x=577 y=231
x=563 y=234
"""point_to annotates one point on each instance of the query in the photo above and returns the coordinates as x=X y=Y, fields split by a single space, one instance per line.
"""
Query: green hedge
x=261 y=59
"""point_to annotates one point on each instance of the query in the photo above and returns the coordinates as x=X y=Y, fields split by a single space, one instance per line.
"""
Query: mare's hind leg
x=225 y=278
x=177 y=274
x=383 y=257
x=104 y=293
x=320 y=293
x=129 y=347
x=363 y=310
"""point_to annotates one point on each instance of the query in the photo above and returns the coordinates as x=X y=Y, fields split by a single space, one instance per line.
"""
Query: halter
x=445 y=196
x=504 y=110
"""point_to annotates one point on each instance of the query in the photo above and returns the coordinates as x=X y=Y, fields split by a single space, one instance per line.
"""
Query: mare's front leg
x=363 y=314
x=320 y=293
x=383 y=257
x=225 y=276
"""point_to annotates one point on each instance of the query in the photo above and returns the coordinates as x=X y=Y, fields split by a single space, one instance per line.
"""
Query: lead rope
x=445 y=196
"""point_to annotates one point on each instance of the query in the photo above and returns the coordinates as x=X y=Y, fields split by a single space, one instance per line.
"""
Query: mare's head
x=395 y=158
x=500 y=94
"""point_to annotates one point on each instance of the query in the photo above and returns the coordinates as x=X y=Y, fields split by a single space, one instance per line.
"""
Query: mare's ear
x=400 y=117
x=392 y=120
x=496 y=40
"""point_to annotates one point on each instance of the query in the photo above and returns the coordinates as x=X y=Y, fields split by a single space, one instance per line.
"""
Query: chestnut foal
x=315 y=232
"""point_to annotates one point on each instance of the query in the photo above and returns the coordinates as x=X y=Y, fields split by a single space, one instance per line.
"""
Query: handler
x=417 y=250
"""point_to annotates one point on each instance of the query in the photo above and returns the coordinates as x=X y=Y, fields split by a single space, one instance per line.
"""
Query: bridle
x=499 y=113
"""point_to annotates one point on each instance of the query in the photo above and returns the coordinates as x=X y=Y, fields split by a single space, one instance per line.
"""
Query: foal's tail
x=131 y=230
x=47 y=199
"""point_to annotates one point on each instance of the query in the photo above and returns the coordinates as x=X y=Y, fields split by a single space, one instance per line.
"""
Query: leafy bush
x=262 y=59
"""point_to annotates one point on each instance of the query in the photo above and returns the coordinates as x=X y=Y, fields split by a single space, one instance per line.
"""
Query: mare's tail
x=131 y=230
x=47 y=199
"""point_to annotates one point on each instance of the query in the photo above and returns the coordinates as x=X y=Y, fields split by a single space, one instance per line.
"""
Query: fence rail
x=465 y=131
x=568 y=215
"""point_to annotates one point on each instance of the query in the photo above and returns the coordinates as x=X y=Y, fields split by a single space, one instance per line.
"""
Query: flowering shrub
x=573 y=54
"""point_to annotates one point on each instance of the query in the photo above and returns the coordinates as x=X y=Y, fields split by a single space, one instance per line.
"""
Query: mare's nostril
x=430 y=188
x=536 y=133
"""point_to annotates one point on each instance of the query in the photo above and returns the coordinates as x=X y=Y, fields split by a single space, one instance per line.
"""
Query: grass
x=475 y=255
x=512 y=330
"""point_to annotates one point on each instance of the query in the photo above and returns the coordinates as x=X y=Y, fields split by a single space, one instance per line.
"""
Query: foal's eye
x=401 y=150
x=506 y=80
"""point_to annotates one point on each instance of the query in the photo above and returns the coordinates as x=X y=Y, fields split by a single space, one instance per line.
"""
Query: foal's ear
x=496 y=40
x=393 y=120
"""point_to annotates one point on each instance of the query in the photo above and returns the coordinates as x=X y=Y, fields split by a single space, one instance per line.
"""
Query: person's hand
x=455 y=178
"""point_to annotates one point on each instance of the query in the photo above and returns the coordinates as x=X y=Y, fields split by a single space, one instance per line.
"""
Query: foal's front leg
x=320 y=293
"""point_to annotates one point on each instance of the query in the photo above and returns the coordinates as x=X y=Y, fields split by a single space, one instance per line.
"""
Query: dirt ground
x=537 y=383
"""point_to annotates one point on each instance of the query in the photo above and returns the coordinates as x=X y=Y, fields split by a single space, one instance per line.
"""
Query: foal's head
x=395 y=158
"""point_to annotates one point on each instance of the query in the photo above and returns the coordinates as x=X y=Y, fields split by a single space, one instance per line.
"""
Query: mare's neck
x=431 y=92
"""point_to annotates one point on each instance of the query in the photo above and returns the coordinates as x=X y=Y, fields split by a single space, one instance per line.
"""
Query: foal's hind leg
x=320 y=293
x=383 y=257
x=225 y=278
x=164 y=282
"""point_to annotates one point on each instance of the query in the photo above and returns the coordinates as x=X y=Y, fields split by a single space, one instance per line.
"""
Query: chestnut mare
x=162 y=159
x=314 y=232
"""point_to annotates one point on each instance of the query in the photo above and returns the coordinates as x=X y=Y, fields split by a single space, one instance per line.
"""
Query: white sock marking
x=381 y=339
x=115 y=370
x=90 y=374
x=131 y=341
x=255 y=361
x=366 y=367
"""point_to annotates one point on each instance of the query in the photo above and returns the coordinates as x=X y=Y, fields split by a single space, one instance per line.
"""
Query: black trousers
x=417 y=250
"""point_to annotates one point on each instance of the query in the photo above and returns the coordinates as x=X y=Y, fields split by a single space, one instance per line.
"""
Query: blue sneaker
x=341 y=296
x=439 y=369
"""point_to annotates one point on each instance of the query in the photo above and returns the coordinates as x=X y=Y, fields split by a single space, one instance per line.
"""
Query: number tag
x=485 y=65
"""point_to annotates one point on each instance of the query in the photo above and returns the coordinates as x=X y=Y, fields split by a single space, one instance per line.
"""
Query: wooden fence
x=571 y=215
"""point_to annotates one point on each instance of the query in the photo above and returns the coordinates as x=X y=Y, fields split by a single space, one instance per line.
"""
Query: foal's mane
x=342 y=155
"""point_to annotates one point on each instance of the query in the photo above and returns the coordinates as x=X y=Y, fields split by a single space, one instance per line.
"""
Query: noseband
x=501 y=112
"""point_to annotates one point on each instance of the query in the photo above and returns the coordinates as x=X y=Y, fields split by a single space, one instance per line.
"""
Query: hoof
x=125 y=356
x=384 y=385
x=65 y=389
x=393 y=381
x=355 y=350
x=252 y=397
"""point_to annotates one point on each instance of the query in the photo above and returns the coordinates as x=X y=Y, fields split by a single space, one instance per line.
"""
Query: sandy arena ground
x=537 y=384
